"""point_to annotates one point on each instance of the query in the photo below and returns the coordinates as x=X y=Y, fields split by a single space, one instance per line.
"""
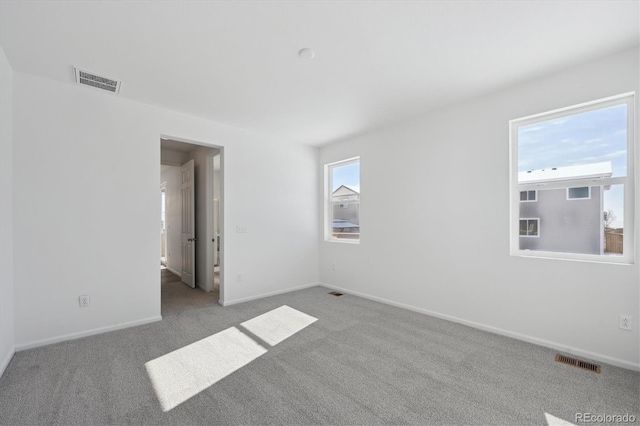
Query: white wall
x=450 y=254
x=173 y=216
x=7 y=343
x=87 y=216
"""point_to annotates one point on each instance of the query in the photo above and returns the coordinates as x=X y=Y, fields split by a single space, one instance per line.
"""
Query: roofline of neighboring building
x=350 y=188
x=554 y=174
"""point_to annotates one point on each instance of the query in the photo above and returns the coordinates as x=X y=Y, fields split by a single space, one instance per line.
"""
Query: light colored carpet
x=361 y=363
x=279 y=324
x=185 y=372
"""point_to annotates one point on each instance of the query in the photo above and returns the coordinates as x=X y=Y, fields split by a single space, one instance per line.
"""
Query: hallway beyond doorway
x=177 y=297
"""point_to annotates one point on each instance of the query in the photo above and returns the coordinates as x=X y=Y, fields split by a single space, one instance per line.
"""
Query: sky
x=346 y=175
x=588 y=137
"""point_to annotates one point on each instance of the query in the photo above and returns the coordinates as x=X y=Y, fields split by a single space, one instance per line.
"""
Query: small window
x=529 y=227
x=583 y=192
x=528 y=196
x=343 y=201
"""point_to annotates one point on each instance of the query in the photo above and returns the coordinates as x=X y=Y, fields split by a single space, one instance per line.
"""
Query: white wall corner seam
x=7 y=359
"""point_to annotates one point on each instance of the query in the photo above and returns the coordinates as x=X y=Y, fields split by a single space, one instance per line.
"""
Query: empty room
x=367 y=212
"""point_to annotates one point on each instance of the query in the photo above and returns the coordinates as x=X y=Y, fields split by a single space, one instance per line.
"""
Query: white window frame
x=328 y=202
x=537 y=219
x=588 y=197
x=628 y=257
x=527 y=200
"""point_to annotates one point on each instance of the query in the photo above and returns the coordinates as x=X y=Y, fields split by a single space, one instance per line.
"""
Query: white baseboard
x=7 y=360
x=80 y=334
x=174 y=271
x=262 y=296
x=530 y=339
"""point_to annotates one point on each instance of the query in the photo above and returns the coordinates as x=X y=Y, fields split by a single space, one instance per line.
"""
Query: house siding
x=348 y=213
x=571 y=226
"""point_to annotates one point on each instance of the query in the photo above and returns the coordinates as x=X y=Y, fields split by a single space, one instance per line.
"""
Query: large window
x=343 y=201
x=577 y=164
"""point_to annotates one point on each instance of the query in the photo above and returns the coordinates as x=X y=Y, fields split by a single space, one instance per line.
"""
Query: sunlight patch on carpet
x=556 y=421
x=185 y=372
x=278 y=324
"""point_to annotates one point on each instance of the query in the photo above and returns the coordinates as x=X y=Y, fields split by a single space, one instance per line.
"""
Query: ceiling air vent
x=99 y=82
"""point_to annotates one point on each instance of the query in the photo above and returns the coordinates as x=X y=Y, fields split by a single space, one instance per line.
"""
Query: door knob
x=191 y=239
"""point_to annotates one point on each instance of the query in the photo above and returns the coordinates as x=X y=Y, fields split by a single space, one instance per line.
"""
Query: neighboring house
x=568 y=219
x=346 y=210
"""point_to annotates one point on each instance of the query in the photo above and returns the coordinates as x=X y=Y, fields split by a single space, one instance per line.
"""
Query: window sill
x=342 y=241
x=603 y=259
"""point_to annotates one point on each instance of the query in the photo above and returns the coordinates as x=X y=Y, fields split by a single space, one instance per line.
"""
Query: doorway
x=192 y=224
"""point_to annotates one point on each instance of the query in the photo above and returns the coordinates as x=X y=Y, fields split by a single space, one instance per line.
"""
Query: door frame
x=209 y=208
x=210 y=251
x=165 y=242
x=188 y=230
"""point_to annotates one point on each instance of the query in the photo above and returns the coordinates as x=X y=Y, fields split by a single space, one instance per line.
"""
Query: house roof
x=582 y=171
x=347 y=190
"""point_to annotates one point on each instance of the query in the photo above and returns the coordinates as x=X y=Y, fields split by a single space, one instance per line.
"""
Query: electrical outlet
x=625 y=322
x=240 y=277
x=333 y=266
x=84 y=301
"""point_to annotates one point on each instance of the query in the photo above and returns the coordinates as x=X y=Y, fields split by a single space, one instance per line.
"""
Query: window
x=343 y=201
x=582 y=192
x=529 y=227
x=528 y=196
x=577 y=164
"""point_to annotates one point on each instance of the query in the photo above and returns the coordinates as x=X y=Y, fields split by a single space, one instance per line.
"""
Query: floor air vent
x=335 y=293
x=99 y=82
x=578 y=363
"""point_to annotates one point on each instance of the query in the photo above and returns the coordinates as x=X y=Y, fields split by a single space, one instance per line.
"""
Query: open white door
x=188 y=225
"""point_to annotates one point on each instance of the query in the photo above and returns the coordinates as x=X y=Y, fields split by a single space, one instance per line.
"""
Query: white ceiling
x=376 y=62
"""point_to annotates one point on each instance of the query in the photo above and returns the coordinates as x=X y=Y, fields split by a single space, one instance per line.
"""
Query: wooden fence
x=613 y=242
